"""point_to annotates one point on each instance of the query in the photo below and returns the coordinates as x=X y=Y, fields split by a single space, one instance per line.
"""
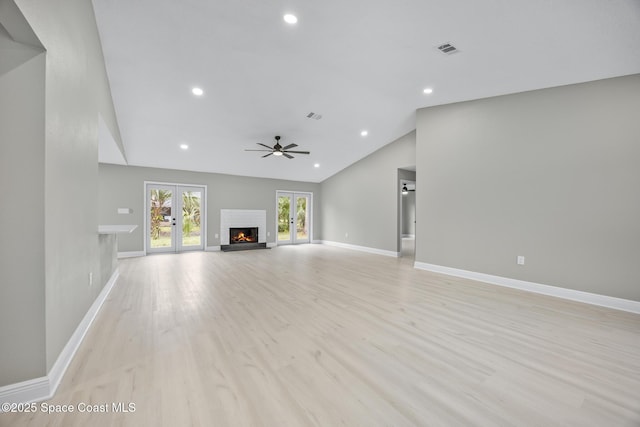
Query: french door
x=294 y=219
x=175 y=218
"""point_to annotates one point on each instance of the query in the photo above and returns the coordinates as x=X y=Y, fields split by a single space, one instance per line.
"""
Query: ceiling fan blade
x=264 y=145
x=299 y=152
x=257 y=150
x=266 y=155
x=287 y=156
x=289 y=146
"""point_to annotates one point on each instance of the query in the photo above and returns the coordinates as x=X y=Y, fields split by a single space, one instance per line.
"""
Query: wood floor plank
x=322 y=336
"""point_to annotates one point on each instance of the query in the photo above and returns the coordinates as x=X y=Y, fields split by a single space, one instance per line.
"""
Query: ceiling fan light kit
x=279 y=150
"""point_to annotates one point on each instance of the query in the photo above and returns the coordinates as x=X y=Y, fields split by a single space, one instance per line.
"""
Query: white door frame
x=176 y=236
x=293 y=235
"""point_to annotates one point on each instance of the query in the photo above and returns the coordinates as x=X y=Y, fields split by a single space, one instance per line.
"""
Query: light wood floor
x=322 y=336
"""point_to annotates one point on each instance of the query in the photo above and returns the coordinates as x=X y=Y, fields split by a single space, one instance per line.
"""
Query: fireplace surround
x=242 y=229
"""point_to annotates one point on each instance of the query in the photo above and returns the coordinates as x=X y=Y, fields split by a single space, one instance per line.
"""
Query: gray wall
x=22 y=258
x=552 y=175
x=363 y=199
x=123 y=187
x=108 y=244
x=55 y=170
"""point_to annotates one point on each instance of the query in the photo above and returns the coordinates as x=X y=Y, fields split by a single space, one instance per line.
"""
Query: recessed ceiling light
x=290 y=19
x=428 y=90
x=197 y=91
x=184 y=146
x=317 y=165
x=364 y=133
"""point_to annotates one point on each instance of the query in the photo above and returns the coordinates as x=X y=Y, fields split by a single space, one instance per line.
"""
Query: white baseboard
x=44 y=388
x=408 y=236
x=555 y=291
x=26 y=391
x=361 y=248
x=316 y=242
x=271 y=244
x=69 y=350
x=130 y=254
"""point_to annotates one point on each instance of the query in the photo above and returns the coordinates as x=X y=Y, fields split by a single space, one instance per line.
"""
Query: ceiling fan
x=279 y=150
x=405 y=190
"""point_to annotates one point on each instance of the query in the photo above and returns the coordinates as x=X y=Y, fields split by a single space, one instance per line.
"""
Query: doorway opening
x=294 y=217
x=407 y=213
x=175 y=217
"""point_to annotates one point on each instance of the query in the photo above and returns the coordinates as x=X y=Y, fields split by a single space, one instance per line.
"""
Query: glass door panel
x=302 y=219
x=284 y=218
x=161 y=222
x=191 y=230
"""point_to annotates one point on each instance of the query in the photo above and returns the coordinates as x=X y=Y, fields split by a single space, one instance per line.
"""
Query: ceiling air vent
x=313 y=115
x=447 y=48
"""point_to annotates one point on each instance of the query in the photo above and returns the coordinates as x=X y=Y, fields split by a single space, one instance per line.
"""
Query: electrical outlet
x=216 y=235
x=268 y=233
x=90 y=279
x=520 y=260
x=346 y=235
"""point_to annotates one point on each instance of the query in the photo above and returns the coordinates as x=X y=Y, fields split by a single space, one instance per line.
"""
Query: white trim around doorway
x=309 y=209
x=203 y=213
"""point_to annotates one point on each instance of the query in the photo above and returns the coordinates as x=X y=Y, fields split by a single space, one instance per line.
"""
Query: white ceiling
x=360 y=64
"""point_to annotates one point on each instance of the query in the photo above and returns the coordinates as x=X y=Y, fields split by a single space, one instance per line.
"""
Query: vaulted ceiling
x=360 y=65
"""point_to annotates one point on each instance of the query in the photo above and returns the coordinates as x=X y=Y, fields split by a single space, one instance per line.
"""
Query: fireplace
x=243 y=229
x=243 y=238
x=243 y=235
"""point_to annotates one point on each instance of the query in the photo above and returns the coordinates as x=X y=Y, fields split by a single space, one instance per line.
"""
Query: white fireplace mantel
x=237 y=218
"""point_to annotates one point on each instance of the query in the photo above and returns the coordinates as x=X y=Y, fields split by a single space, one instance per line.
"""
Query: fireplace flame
x=240 y=237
